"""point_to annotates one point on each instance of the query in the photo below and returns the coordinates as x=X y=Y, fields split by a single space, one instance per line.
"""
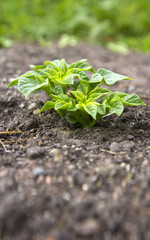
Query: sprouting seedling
x=75 y=95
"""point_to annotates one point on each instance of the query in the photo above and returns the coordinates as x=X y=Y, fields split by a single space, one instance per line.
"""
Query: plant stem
x=94 y=121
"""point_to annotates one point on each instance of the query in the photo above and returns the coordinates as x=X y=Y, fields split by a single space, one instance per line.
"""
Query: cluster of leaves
x=74 y=94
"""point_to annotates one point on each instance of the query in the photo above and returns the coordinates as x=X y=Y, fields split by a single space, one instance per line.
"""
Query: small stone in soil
x=2 y=129
x=130 y=137
x=38 y=171
x=11 y=125
x=147 y=151
x=35 y=152
x=32 y=106
x=87 y=227
x=22 y=105
x=123 y=164
x=30 y=123
x=127 y=145
x=57 y=155
x=48 y=180
x=85 y=187
x=114 y=147
x=66 y=196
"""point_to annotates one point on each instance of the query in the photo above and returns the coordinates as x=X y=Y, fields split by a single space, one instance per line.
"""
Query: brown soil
x=58 y=182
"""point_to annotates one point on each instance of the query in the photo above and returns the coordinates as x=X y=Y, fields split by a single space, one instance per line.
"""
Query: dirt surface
x=58 y=182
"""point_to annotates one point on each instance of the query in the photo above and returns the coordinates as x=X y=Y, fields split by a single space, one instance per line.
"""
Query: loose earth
x=59 y=182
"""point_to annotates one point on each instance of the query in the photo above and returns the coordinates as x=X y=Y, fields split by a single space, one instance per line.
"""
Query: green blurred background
x=116 y=24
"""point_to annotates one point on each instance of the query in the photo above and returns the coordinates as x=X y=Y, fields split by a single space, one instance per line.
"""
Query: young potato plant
x=74 y=94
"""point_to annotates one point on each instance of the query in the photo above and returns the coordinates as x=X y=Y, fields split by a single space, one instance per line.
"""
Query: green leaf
x=132 y=100
x=27 y=85
x=50 y=72
x=78 y=95
x=71 y=119
x=38 y=67
x=96 y=78
x=116 y=107
x=126 y=99
x=72 y=107
x=115 y=95
x=65 y=97
x=68 y=79
x=97 y=93
x=103 y=71
x=61 y=64
x=54 y=65
x=47 y=105
x=78 y=73
x=62 y=105
x=111 y=78
x=82 y=65
x=119 y=94
x=55 y=97
x=91 y=109
x=61 y=97
x=33 y=73
x=83 y=88
x=101 y=109
x=14 y=82
x=57 y=89
x=58 y=65
x=64 y=65
x=29 y=73
x=80 y=106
